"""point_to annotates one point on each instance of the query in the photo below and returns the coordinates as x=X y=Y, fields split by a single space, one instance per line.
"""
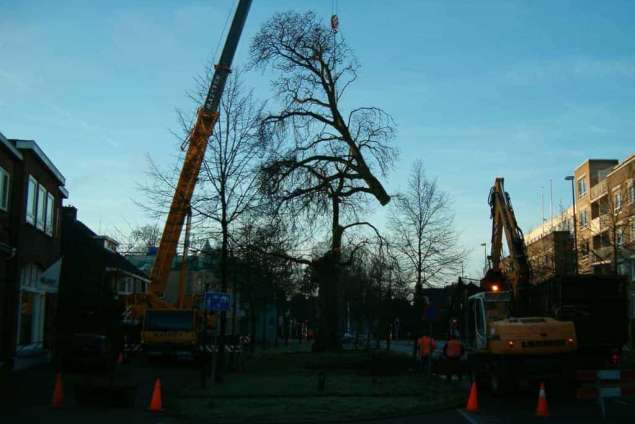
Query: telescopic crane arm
x=197 y=144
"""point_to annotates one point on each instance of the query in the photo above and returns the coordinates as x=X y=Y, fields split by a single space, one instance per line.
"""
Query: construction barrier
x=228 y=348
x=605 y=384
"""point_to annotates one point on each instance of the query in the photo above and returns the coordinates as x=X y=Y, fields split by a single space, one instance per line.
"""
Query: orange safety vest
x=426 y=344
x=453 y=348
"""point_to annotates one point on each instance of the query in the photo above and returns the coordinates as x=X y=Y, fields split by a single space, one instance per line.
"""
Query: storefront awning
x=50 y=278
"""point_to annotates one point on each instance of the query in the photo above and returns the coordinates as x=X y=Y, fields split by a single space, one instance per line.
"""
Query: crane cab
x=173 y=331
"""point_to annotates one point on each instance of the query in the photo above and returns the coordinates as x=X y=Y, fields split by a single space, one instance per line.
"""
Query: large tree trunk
x=417 y=314
x=327 y=338
x=252 y=316
x=327 y=272
x=223 y=282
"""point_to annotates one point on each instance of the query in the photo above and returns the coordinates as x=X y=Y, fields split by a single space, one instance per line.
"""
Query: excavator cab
x=485 y=308
x=494 y=330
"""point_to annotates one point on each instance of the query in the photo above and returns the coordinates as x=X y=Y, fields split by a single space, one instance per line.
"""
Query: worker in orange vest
x=453 y=350
x=426 y=345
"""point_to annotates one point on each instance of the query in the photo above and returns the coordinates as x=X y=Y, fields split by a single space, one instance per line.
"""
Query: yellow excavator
x=167 y=327
x=505 y=342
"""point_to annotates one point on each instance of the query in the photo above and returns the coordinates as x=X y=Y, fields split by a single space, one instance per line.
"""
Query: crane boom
x=197 y=144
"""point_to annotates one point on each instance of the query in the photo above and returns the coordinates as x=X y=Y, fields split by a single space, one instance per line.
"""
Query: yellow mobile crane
x=504 y=340
x=168 y=327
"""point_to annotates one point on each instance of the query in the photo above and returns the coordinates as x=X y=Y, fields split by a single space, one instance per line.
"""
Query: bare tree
x=324 y=157
x=611 y=245
x=265 y=269
x=138 y=239
x=423 y=227
x=228 y=183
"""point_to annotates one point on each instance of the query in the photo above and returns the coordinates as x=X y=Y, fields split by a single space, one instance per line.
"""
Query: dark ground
x=26 y=398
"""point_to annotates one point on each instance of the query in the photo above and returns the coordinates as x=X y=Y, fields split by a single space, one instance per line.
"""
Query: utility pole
x=550 y=205
x=575 y=225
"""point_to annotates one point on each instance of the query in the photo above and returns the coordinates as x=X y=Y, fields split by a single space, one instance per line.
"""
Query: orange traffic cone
x=120 y=358
x=58 y=392
x=542 y=410
x=472 y=401
x=156 y=404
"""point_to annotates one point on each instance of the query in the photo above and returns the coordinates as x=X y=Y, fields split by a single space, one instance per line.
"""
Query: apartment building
x=605 y=208
x=31 y=193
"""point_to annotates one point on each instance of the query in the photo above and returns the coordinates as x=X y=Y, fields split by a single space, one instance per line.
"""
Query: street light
x=575 y=225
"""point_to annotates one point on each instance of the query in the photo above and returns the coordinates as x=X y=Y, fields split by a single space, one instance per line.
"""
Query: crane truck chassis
x=179 y=327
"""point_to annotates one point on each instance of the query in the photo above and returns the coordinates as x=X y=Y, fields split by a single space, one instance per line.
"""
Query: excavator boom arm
x=504 y=220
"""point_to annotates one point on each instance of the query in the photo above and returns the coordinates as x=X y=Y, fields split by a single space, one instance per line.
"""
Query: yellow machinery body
x=531 y=336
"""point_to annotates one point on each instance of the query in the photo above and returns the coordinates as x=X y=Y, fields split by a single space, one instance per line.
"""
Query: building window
x=31 y=200
x=50 y=213
x=584 y=248
x=631 y=192
x=32 y=302
x=617 y=200
x=4 y=189
x=581 y=187
x=584 y=218
x=41 y=207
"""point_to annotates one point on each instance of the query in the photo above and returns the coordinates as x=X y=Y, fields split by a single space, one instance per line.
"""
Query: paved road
x=26 y=397
x=520 y=407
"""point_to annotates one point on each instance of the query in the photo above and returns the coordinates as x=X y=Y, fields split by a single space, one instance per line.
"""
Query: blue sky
x=525 y=90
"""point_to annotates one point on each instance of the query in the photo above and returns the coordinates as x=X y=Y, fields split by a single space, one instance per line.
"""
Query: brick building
x=605 y=207
x=31 y=193
x=93 y=278
x=551 y=255
x=605 y=214
x=550 y=247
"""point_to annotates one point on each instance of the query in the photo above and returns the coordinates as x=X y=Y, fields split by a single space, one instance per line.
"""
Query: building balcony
x=595 y=225
x=601 y=255
x=600 y=224
x=598 y=190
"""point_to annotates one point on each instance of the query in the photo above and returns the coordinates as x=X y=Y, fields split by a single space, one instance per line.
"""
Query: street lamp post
x=575 y=225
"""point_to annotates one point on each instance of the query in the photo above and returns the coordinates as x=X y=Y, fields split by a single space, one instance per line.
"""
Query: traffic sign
x=431 y=312
x=216 y=301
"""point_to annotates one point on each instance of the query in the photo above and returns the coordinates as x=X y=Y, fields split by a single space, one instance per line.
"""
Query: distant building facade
x=31 y=193
x=605 y=207
x=93 y=277
x=604 y=191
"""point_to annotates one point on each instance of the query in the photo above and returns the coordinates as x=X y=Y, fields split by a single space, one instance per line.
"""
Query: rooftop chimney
x=70 y=212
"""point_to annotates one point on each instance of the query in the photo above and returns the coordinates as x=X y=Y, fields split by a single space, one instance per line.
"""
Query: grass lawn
x=279 y=386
